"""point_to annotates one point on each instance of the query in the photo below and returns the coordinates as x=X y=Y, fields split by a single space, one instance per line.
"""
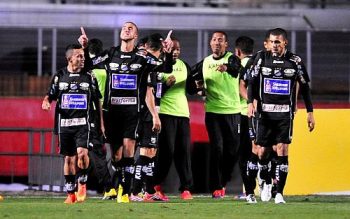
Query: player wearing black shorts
x=149 y=125
x=244 y=48
x=126 y=69
x=76 y=92
x=274 y=76
x=99 y=149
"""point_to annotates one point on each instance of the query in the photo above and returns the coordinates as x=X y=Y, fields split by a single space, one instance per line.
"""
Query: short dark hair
x=71 y=47
x=222 y=32
x=267 y=35
x=155 y=41
x=279 y=31
x=95 y=46
x=142 y=41
x=245 y=44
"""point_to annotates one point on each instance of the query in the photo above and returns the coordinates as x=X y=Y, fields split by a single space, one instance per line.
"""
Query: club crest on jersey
x=73 y=86
x=277 y=73
x=124 y=67
x=113 y=66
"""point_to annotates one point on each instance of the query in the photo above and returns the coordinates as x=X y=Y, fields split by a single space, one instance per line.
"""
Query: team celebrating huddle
x=134 y=96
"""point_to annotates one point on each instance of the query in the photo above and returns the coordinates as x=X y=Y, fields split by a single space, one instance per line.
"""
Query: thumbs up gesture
x=83 y=39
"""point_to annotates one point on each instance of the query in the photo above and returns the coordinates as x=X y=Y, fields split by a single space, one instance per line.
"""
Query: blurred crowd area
x=207 y=3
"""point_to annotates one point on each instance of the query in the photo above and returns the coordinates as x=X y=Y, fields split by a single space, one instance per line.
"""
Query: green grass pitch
x=200 y=207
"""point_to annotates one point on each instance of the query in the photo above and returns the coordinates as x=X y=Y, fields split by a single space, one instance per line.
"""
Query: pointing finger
x=82 y=31
x=169 y=34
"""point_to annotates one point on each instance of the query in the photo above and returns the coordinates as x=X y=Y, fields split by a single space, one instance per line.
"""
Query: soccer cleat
x=186 y=195
x=265 y=195
x=279 y=199
x=123 y=199
x=151 y=197
x=110 y=195
x=160 y=194
x=137 y=198
x=119 y=193
x=120 y=197
x=81 y=194
x=251 y=199
x=217 y=194
x=71 y=199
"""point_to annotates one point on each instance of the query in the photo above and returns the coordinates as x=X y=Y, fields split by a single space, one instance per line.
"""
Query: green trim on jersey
x=101 y=76
x=244 y=103
x=221 y=89
x=174 y=102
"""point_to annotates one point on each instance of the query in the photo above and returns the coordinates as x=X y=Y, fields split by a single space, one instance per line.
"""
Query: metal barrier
x=44 y=168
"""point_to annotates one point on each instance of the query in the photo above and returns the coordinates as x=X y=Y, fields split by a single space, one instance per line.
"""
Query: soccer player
x=244 y=48
x=98 y=152
x=174 y=139
x=149 y=126
x=76 y=93
x=275 y=74
x=126 y=69
x=222 y=107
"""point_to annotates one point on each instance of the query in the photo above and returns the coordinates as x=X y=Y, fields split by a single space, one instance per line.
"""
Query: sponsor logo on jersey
x=277 y=61
x=99 y=59
x=72 y=122
x=84 y=86
x=153 y=140
x=154 y=62
x=123 y=101
x=124 y=81
x=266 y=71
x=276 y=86
x=122 y=56
x=63 y=86
x=74 y=75
x=159 y=90
x=159 y=76
x=135 y=66
x=289 y=72
x=113 y=66
x=275 y=108
x=295 y=58
x=74 y=101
